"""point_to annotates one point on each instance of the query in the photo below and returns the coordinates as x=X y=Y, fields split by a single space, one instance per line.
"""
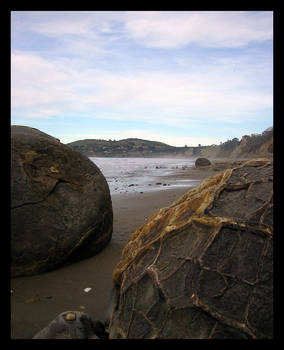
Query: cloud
x=63 y=23
x=36 y=81
x=77 y=71
x=48 y=87
x=210 y=29
x=97 y=30
x=75 y=33
x=81 y=71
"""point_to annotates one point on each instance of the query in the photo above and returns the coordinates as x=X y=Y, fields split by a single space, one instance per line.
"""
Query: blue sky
x=179 y=77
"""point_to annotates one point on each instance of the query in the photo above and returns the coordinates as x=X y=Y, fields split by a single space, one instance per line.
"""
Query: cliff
x=255 y=145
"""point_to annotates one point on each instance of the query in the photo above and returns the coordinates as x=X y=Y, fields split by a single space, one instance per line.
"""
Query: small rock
x=53 y=169
x=70 y=316
x=73 y=325
x=32 y=300
x=87 y=289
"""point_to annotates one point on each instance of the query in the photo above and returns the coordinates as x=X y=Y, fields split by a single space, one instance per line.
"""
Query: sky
x=178 y=77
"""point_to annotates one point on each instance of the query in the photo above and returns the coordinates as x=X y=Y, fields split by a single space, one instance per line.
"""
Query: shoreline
x=37 y=300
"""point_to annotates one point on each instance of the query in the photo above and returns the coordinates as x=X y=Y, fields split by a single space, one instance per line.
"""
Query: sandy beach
x=37 y=300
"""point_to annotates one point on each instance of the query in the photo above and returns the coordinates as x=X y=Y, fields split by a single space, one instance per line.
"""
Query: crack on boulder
x=44 y=199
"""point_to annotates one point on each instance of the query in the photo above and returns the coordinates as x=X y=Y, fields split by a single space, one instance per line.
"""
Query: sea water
x=143 y=174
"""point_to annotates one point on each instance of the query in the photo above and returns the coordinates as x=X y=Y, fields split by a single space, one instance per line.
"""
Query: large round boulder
x=201 y=162
x=61 y=208
x=202 y=268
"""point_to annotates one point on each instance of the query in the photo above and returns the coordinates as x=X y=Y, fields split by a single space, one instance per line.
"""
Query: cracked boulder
x=202 y=268
x=61 y=208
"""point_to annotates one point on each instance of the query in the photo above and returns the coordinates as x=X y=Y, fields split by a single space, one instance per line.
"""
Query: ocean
x=143 y=174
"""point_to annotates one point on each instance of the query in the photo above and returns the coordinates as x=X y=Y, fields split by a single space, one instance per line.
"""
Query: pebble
x=70 y=317
x=53 y=169
x=32 y=300
x=87 y=289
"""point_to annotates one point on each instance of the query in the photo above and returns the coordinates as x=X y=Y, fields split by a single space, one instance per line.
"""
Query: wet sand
x=37 y=300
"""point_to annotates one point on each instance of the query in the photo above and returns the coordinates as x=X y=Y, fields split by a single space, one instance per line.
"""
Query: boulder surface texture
x=61 y=208
x=202 y=268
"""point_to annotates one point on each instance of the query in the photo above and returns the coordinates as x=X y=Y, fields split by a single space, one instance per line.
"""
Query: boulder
x=202 y=268
x=200 y=162
x=61 y=208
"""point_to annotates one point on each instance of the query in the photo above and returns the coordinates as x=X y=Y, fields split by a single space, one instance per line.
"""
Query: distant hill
x=131 y=147
x=255 y=145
